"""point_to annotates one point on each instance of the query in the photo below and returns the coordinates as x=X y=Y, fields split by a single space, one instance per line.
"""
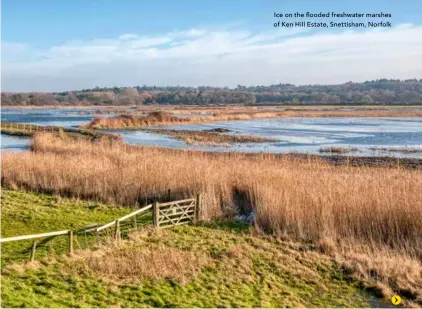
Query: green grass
x=32 y=213
x=242 y=270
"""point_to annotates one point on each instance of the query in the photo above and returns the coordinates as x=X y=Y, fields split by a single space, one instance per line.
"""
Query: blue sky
x=63 y=45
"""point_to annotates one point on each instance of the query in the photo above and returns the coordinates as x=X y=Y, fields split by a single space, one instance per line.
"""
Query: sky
x=64 y=45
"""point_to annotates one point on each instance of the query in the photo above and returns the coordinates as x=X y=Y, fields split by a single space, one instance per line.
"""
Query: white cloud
x=192 y=33
x=128 y=36
x=207 y=57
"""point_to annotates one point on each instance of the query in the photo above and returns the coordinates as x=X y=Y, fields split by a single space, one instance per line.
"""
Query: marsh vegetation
x=368 y=218
x=164 y=117
x=210 y=138
x=339 y=150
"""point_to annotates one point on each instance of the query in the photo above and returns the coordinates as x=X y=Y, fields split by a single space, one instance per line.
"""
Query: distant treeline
x=382 y=91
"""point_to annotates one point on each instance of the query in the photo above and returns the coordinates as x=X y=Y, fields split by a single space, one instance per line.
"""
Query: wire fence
x=38 y=246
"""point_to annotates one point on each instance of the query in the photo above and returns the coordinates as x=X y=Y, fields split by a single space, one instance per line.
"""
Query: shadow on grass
x=227 y=225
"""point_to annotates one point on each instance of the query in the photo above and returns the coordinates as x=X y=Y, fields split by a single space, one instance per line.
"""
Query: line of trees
x=382 y=91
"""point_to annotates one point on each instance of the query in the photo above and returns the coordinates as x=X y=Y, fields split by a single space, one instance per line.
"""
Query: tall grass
x=297 y=199
x=132 y=263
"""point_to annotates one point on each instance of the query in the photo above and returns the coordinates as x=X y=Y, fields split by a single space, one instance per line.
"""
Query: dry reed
x=132 y=263
x=334 y=149
x=202 y=137
x=298 y=199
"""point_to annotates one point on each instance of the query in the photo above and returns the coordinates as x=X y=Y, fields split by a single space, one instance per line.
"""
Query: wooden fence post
x=34 y=246
x=117 y=230
x=155 y=213
x=70 y=242
x=197 y=207
x=135 y=224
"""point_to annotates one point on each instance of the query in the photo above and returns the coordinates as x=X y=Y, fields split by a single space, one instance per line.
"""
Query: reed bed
x=302 y=199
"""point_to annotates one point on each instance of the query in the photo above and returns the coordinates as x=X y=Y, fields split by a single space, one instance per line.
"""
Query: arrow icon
x=396 y=300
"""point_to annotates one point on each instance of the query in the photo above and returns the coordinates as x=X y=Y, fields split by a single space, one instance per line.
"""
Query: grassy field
x=220 y=264
x=32 y=213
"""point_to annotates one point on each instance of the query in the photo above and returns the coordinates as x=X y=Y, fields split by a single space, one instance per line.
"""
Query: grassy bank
x=28 y=130
x=204 y=266
x=33 y=213
x=370 y=217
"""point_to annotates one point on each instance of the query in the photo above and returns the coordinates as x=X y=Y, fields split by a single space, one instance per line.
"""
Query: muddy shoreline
x=392 y=162
x=352 y=161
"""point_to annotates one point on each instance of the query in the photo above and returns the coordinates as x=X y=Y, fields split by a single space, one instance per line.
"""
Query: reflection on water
x=13 y=143
x=311 y=134
x=293 y=134
x=65 y=117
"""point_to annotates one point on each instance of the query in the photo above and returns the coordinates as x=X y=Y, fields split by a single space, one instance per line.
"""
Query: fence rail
x=164 y=215
x=33 y=236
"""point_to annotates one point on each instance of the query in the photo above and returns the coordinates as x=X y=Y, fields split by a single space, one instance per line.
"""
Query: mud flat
x=393 y=162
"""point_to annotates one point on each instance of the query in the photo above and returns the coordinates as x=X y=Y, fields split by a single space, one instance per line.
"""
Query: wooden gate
x=176 y=212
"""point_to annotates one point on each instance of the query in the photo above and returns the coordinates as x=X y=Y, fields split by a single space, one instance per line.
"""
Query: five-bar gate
x=176 y=212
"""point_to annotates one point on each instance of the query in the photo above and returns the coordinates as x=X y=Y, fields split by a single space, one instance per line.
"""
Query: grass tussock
x=339 y=150
x=129 y=264
x=383 y=271
x=202 y=137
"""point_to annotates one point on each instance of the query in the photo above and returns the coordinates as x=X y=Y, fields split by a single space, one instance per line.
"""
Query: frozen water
x=306 y=135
